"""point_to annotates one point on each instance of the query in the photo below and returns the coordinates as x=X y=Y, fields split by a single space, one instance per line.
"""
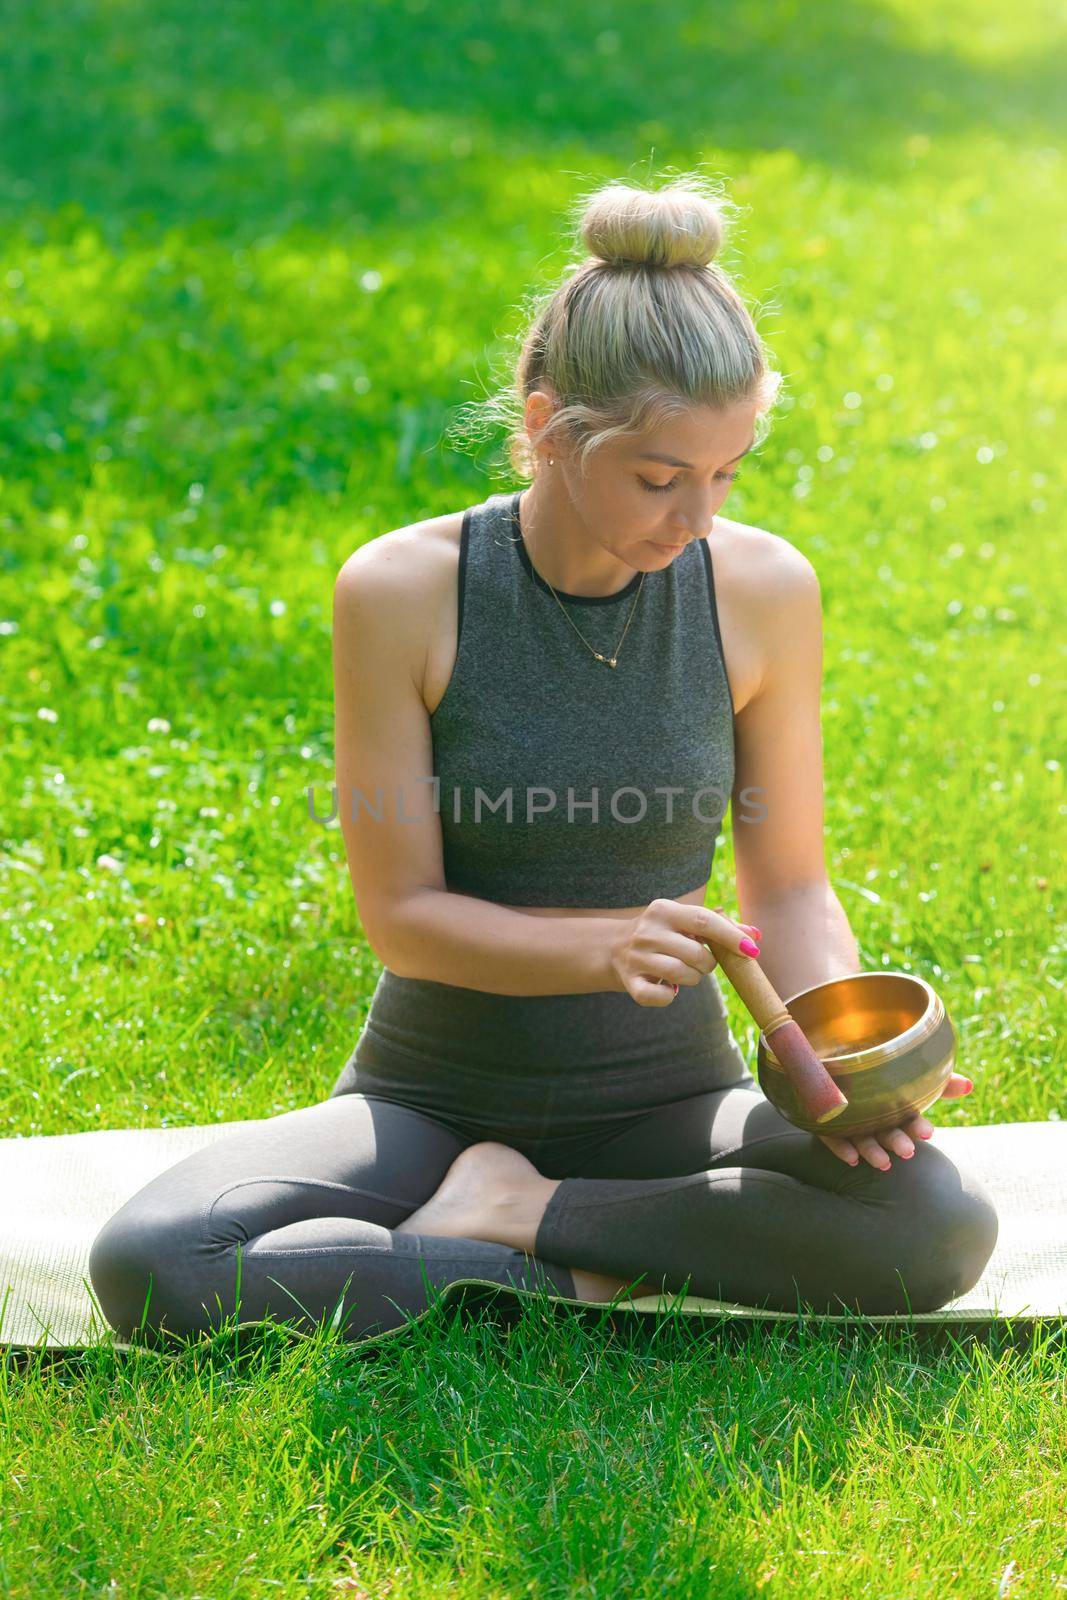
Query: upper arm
x=383 y=746
x=778 y=741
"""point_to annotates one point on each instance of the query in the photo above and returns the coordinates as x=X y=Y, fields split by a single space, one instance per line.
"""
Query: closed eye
x=664 y=488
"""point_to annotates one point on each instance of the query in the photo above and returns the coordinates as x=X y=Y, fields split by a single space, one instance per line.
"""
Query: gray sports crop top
x=562 y=781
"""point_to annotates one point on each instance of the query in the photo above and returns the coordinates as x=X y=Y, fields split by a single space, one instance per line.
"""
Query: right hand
x=663 y=948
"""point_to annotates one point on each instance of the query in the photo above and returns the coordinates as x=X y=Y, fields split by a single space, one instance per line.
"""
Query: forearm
x=476 y=944
x=806 y=938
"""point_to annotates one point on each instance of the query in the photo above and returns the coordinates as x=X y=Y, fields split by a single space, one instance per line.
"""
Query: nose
x=698 y=522
x=693 y=528
x=693 y=519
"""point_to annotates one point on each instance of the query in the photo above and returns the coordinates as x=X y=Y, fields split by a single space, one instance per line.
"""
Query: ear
x=540 y=407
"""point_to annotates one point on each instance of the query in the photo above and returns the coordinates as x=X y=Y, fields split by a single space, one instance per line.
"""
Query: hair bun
x=681 y=225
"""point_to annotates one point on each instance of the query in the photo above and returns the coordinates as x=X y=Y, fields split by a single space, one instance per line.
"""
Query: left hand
x=875 y=1147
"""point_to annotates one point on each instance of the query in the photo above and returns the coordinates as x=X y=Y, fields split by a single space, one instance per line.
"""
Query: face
x=657 y=506
x=646 y=511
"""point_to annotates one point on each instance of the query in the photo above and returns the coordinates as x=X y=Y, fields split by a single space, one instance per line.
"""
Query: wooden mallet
x=817 y=1091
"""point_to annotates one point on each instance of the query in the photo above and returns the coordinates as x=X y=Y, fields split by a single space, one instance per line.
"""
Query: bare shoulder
x=761 y=566
x=409 y=560
x=759 y=578
x=407 y=580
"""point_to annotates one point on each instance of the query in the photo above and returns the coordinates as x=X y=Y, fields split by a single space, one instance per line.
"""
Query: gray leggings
x=712 y=1189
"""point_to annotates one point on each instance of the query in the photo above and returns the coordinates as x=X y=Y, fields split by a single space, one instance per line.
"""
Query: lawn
x=252 y=261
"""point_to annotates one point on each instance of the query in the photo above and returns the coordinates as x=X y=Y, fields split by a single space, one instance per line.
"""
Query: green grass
x=251 y=260
x=479 y=1459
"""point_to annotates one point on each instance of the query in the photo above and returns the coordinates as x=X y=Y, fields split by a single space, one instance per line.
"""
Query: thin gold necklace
x=613 y=659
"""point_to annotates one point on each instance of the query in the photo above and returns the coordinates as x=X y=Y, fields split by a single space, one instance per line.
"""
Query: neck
x=561 y=548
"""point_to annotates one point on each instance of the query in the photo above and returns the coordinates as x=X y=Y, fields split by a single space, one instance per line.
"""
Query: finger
x=671 y=985
x=648 y=990
x=957 y=1085
x=896 y=1140
x=919 y=1127
x=717 y=927
x=749 y=927
x=872 y=1152
x=681 y=958
x=687 y=969
x=840 y=1147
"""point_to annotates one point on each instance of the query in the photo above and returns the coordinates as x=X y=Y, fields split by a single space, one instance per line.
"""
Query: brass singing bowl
x=884 y=1037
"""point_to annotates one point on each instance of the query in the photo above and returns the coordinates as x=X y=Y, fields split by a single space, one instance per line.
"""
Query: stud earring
x=551 y=461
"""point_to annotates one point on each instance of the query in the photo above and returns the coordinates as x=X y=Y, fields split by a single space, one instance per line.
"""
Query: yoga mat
x=57 y=1191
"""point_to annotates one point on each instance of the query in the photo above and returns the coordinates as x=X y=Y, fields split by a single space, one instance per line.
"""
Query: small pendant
x=613 y=662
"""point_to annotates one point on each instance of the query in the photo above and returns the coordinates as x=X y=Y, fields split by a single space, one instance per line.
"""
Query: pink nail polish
x=749 y=948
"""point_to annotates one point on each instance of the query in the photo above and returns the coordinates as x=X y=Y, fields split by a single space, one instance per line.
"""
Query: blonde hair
x=646 y=327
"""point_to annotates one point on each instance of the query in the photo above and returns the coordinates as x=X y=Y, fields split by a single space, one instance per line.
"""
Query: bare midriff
x=692 y=897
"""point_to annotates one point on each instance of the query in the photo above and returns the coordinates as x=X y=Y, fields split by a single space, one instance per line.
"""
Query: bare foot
x=493 y=1192
x=489 y=1192
x=595 y=1286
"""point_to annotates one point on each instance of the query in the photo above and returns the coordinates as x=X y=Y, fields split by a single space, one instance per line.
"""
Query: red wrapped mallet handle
x=815 y=1089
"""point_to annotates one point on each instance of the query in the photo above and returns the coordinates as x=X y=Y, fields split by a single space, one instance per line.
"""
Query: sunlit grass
x=543 y=1457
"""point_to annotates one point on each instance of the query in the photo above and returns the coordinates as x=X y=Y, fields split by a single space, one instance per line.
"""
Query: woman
x=544 y=704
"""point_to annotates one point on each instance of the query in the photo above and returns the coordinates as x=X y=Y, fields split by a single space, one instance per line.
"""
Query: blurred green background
x=253 y=259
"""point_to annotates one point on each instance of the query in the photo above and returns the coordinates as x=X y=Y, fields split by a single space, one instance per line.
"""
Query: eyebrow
x=672 y=461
